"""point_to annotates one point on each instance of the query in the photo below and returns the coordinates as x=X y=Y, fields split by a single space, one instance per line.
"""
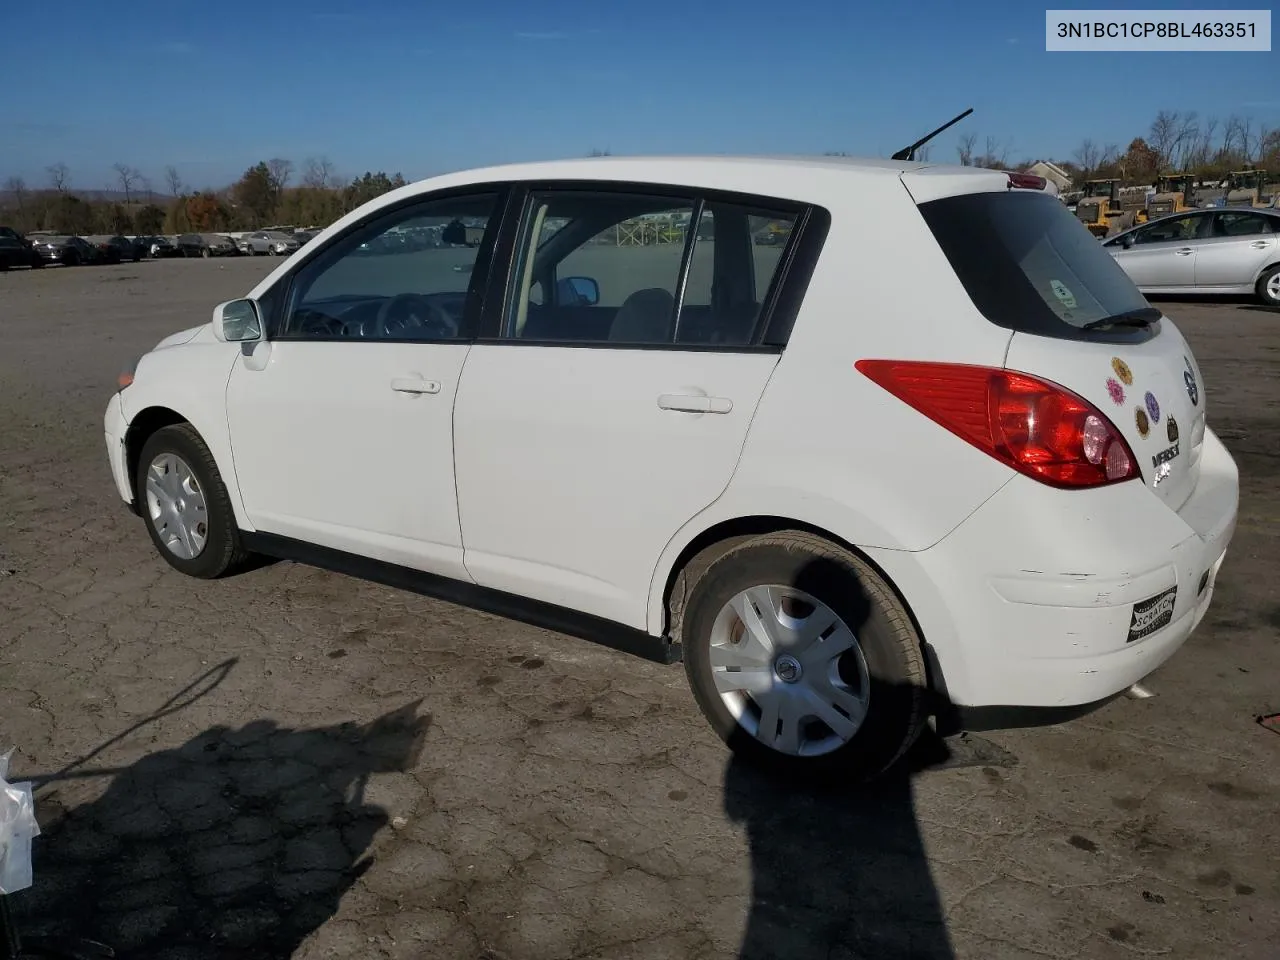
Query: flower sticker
x=1122 y=371
x=1140 y=419
x=1116 y=391
x=1153 y=408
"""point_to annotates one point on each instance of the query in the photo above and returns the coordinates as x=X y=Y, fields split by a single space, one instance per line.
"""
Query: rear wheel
x=186 y=505
x=802 y=658
x=1269 y=286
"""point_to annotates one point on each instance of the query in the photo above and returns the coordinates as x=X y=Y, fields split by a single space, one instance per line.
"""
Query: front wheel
x=186 y=505
x=1269 y=286
x=802 y=658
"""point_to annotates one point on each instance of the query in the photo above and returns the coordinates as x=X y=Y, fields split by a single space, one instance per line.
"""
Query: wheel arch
x=717 y=538
x=144 y=424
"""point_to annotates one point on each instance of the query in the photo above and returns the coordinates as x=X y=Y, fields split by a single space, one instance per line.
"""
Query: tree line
x=1176 y=142
x=265 y=194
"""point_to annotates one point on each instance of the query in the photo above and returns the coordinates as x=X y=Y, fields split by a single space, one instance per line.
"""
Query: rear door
x=597 y=419
x=1079 y=322
x=1238 y=245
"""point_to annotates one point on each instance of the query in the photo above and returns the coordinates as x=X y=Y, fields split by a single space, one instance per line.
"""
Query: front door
x=1239 y=245
x=1163 y=255
x=614 y=402
x=342 y=421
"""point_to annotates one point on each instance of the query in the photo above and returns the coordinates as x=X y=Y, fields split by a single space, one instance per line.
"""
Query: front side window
x=1170 y=230
x=631 y=269
x=406 y=276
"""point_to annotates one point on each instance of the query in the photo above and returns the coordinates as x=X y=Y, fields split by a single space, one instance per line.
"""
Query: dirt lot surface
x=292 y=763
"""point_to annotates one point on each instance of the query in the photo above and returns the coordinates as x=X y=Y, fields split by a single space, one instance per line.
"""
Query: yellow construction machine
x=1100 y=208
x=1250 y=188
x=1175 y=193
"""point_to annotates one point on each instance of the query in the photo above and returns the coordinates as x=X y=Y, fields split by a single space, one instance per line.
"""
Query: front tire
x=1269 y=286
x=185 y=504
x=803 y=659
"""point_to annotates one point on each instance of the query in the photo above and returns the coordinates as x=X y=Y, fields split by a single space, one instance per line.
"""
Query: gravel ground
x=293 y=763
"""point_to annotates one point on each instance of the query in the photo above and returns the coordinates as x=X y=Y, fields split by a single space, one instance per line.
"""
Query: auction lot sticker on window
x=1187 y=31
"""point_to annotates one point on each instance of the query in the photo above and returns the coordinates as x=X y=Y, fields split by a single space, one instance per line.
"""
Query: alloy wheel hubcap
x=176 y=506
x=1273 y=286
x=789 y=670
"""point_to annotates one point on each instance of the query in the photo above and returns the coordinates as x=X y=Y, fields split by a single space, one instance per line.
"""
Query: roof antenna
x=909 y=153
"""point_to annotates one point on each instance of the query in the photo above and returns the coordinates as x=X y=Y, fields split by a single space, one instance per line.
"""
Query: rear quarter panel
x=827 y=446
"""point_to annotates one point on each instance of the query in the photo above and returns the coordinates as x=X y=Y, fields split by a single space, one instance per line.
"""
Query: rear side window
x=1028 y=264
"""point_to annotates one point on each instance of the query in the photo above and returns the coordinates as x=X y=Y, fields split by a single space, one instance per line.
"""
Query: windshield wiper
x=1141 y=317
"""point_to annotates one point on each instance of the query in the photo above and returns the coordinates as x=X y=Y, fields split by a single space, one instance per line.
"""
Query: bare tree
x=280 y=172
x=1164 y=135
x=922 y=153
x=1088 y=157
x=128 y=178
x=318 y=173
x=59 y=176
x=17 y=188
x=995 y=155
x=173 y=180
x=965 y=149
x=146 y=188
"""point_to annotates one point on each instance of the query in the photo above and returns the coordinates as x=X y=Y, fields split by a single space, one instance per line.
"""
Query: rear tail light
x=1036 y=427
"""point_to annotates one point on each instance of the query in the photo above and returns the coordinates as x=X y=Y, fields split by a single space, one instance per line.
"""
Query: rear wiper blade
x=1141 y=317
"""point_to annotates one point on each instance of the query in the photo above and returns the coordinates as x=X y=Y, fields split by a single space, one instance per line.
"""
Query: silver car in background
x=271 y=242
x=1222 y=250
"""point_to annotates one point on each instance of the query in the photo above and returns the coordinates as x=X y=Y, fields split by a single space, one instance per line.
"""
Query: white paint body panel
x=553 y=473
x=326 y=451
x=571 y=478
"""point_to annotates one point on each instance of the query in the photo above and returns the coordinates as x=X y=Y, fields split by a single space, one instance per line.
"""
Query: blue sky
x=425 y=88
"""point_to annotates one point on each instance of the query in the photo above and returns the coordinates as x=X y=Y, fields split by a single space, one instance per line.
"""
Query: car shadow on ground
x=839 y=870
x=238 y=843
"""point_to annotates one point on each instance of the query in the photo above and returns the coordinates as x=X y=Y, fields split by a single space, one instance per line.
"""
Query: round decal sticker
x=1122 y=371
x=1063 y=293
x=1171 y=427
x=1189 y=378
x=1116 y=391
x=1153 y=408
x=1140 y=418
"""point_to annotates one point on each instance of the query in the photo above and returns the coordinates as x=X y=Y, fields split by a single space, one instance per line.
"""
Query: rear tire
x=185 y=504
x=839 y=704
x=1269 y=286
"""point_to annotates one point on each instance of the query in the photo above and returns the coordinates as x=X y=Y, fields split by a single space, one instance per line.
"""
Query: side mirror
x=1127 y=241
x=237 y=321
x=579 y=291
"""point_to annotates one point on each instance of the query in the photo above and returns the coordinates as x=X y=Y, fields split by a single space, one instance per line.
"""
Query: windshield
x=1027 y=264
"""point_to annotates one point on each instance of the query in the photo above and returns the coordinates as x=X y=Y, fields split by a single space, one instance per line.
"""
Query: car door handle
x=1183 y=252
x=1260 y=244
x=415 y=385
x=688 y=403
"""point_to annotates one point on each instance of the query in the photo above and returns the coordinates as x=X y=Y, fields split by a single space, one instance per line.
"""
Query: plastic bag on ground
x=17 y=828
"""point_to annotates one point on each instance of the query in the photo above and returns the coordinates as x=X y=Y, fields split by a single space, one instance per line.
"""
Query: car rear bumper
x=1036 y=599
x=115 y=427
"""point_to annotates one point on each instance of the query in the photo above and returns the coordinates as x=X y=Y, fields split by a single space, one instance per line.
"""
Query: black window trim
x=278 y=295
x=780 y=304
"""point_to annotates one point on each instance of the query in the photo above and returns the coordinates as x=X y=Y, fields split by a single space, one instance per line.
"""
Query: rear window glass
x=1028 y=264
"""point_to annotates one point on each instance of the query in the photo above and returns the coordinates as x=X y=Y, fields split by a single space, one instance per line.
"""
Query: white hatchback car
x=857 y=440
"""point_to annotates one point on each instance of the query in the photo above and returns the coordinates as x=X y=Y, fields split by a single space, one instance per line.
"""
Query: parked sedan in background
x=158 y=247
x=17 y=251
x=1215 y=251
x=70 y=251
x=206 y=245
x=270 y=242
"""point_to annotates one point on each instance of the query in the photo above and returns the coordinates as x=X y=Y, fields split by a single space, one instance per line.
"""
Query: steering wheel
x=413 y=311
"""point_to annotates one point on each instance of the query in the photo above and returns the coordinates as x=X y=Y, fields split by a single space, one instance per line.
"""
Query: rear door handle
x=415 y=385
x=1260 y=244
x=688 y=403
x=1184 y=252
